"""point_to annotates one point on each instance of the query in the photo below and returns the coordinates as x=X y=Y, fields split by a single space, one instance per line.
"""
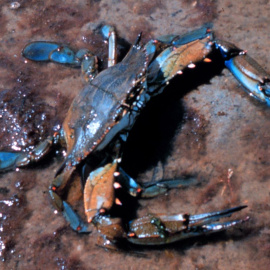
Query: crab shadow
x=151 y=139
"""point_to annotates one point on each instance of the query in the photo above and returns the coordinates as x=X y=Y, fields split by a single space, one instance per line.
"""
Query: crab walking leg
x=110 y=229
x=109 y=34
x=155 y=229
x=151 y=189
x=41 y=51
x=11 y=160
x=75 y=221
x=55 y=190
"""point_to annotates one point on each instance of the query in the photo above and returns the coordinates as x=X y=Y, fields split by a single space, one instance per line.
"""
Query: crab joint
x=131 y=234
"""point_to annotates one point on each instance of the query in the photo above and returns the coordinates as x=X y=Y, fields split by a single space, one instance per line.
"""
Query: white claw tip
x=191 y=65
x=116 y=185
x=115 y=174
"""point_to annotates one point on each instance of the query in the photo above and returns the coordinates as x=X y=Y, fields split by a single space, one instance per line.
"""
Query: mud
x=205 y=125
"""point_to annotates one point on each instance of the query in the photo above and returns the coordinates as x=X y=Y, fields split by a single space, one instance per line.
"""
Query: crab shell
x=101 y=110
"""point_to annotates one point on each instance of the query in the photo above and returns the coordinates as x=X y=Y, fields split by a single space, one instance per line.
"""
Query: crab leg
x=99 y=191
x=41 y=51
x=55 y=190
x=76 y=223
x=151 y=189
x=246 y=70
x=176 y=53
x=98 y=196
x=162 y=229
x=110 y=229
x=11 y=160
x=109 y=34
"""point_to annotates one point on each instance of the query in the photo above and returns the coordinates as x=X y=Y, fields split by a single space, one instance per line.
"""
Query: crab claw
x=246 y=70
x=163 y=229
x=99 y=191
x=11 y=160
x=8 y=160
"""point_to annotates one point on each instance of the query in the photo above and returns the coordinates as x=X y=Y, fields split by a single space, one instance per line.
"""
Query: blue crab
x=100 y=118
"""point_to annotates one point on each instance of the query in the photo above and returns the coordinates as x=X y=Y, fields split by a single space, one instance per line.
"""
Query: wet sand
x=203 y=125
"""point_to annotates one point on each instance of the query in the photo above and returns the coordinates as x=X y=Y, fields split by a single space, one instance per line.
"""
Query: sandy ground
x=204 y=125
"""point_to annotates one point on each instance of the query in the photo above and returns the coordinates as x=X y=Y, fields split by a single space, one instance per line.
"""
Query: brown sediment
x=219 y=128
